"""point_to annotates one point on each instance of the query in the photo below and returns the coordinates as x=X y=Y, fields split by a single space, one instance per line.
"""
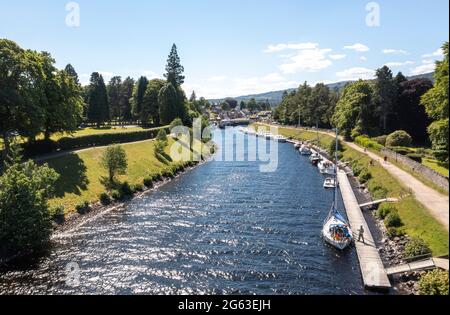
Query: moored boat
x=326 y=167
x=280 y=139
x=305 y=150
x=336 y=230
x=315 y=158
x=329 y=183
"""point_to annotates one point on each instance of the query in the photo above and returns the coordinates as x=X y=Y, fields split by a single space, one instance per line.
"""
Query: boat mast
x=336 y=168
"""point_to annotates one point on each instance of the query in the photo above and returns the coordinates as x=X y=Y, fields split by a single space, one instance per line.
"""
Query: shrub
x=400 y=150
x=365 y=176
x=434 y=283
x=415 y=157
x=137 y=188
x=159 y=147
x=105 y=199
x=378 y=192
x=83 y=207
x=125 y=190
x=399 y=138
x=148 y=182
x=385 y=209
x=168 y=173
x=393 y=232
x=416 y=247
x=381 y=140
x=368 y=143
x=157 y=177
x=116 y=195
x=393 y=220
x=58 y=214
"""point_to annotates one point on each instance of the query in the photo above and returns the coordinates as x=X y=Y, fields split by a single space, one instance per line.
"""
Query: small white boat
x=298 y=145
x=305 y=150
x=330 y=183
x=280 y=139
x=268 y=136
x=315 y=158
x=326 y=167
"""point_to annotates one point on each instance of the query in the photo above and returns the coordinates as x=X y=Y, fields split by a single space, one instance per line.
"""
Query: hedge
x=75 y=143
x=368 y=143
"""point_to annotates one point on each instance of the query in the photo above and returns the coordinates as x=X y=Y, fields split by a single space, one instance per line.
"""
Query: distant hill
x=275 y=97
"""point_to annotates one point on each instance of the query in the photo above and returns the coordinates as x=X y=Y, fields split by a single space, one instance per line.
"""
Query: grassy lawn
x=80 y=173
x=416 y=218
x=436 y=166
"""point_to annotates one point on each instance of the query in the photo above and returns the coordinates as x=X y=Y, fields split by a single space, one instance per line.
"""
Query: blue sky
x=232 y=48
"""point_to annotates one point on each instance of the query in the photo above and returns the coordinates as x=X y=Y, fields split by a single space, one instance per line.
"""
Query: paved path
x=436 y=202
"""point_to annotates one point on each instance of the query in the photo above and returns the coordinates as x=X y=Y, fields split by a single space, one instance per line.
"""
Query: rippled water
x=224 y=228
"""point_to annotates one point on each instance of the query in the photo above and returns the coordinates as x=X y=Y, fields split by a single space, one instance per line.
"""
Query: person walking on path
x=361 y=235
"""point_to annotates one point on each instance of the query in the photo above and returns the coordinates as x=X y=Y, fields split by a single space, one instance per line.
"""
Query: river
x=222 y=228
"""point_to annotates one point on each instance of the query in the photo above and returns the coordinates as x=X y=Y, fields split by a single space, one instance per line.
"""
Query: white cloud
x=217 y=78
x=428 y=61
x=438 y=53
x=151 y=74
x=422 y=69
x=399 y=64
x=356 y=73
x=337 y=56
x=395 y=51
x=298 y=46
x=363 y=58
x=358 y=47
x=307 y=60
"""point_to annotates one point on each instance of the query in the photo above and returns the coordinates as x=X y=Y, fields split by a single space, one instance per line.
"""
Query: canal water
x=223 y=228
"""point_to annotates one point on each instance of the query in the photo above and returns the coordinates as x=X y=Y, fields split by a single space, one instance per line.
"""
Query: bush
x=148 y=182
x=434 y=283
x=137 y=188
x=116 y=195
x=365 y=175
x=58 y=214
x=83 y=207
x=378 y=192
x=415 y=157
x=125 y=190
x=368 y=143
x=416 y=247
x=393 y=232
x=385 y=209
x=168 y=173
x=159 y=147
x=399 y=138
x=381 y=140
x=400 y=150
x=105 y=199
x=162 y=136
x=393 y=220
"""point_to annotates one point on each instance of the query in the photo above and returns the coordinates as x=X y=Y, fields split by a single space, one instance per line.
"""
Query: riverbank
x=417 y=220
x=73 y=221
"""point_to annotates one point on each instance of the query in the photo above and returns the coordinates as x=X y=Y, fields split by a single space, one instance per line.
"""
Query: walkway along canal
x=224 y=228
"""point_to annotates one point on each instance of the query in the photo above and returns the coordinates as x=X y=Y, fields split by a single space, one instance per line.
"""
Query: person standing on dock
x=361 y=235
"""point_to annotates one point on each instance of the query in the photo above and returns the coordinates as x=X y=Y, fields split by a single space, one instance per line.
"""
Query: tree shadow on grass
x=163 y=157
x=108 y=184
x=72 y=171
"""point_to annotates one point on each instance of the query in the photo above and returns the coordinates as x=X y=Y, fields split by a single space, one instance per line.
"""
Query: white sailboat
x=330 y=183
x=305 y=150
x=336 y=230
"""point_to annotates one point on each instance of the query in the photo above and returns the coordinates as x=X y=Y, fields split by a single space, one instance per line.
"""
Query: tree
x=385 y=92
x=174 y=69
x=126 y=95
x=21 y=92
x=193 y=97
x=138 y=96
x=408 y=113
x=98 y=108
x=168 y=103
x=114 y=96
x=231 y=102
x=25 y=188
x=354 y=111
x=70 y=70
x=150 y=105
x=436 y=105
x=114 y=160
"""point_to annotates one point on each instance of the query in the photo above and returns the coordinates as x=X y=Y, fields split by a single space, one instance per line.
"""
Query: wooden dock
x=372 y=269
